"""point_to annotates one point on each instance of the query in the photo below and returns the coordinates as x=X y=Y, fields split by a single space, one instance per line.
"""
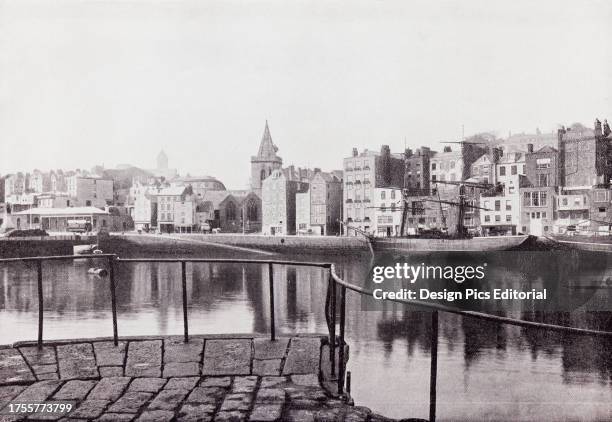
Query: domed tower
x=265 y=161
x=162 y=160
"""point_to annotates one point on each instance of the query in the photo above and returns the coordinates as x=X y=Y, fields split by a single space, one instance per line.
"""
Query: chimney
x=355 y=153
x=530 y=148
x=606 y=128
x=447 y=149
x=317 y=170
x=408 y=153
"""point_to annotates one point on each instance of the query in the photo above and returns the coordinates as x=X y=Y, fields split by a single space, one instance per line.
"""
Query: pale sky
x=92 y=82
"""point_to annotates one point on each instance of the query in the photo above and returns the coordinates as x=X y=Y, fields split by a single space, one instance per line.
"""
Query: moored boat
x=492 y=243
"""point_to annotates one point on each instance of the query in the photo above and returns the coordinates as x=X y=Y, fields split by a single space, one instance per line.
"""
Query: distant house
x=231 y=211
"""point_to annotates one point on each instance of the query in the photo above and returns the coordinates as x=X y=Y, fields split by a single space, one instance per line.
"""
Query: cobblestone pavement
x=220 y=379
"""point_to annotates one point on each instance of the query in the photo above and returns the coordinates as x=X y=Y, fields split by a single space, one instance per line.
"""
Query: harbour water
x=485 y=371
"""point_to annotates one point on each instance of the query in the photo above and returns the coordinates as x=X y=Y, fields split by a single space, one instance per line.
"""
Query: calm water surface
x=486 y=371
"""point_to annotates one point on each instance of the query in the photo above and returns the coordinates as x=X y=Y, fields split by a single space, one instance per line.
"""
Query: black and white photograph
x=306 y=211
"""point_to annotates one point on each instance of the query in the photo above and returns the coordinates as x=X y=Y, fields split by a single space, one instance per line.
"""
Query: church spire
x=267 y=147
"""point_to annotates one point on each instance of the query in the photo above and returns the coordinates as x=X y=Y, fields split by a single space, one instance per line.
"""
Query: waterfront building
x=483 y=169
x=175 y=208
x=502 y=213
x=387 y=206
x=278 y=195
x=230 y=211
x=56 y=219
x=265 y=162
x=319 y=207
x=14 y=184
x=417 y=177
x=89 y=191
x=363 y=173
x=539 y=193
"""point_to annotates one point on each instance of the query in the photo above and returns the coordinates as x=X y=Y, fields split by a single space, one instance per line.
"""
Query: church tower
x=265 y=161
x=162 y=161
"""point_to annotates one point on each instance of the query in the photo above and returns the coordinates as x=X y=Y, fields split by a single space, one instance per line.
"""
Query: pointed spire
x=267 y=147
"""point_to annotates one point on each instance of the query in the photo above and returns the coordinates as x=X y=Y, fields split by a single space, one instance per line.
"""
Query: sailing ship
x=457 y=238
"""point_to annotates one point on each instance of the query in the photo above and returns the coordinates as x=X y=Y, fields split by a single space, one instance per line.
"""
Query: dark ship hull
x=493 y=243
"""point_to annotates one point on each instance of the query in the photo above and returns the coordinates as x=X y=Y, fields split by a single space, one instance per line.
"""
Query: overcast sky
x=92 y=82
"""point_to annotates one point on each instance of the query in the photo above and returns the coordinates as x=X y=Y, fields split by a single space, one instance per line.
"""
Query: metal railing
x=331 y=308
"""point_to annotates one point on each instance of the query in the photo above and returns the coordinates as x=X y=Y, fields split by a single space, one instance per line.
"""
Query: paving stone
x=267 y=382
x=267 y=367
x=244 y=384
x=7 y=393
x=110 y=371
x=303 y=356
x=270 y=395
x=176 y=350
x=178 y=369
x=130 y=402
x=167 y=400
x=266 y=413
x=36 y=356
x=267 y=349
x=298 y=415
x=156 y=416
x=44 y=416
x=144 y=359
x=90 y=409
x=74 y=390
x=231 y=416
x=109 y=388
x=206 y=395
x=38 y=392
x=196 y=412
x=77 y=361
x=310 y=380
x=216 y=382
x=149 y=385
x=187 y=383
x=44 y=369
x=330 y=414
x=304 y=394
x=239 y=401
x=227 y=357
x=115 y=417
x=13 y=367
x=49 y=376
x=107 y=354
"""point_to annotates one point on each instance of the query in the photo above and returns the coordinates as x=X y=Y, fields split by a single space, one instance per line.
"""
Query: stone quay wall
x=218 y=378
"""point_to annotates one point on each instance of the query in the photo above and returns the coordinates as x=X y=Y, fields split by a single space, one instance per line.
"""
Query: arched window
x=230 y=212
x=263 y=174
x=252 y=212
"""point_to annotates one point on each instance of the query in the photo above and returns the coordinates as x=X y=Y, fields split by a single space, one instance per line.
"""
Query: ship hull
x=493 y=243
x=585 y=243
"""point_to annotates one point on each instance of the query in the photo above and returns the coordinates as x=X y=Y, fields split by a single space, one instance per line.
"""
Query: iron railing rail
x=331 y=311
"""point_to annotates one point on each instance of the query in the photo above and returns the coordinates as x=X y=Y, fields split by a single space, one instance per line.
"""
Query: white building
x=387 y=207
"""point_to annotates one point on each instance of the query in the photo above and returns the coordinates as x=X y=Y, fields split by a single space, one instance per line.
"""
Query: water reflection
x=494 y=371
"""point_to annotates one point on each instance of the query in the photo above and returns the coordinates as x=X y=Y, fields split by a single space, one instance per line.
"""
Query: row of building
x=537 y=184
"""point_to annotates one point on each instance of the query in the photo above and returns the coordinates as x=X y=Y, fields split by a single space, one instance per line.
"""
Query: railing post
x=341 y=368
x=434 y=366
x=40 y=303
x=332 y=340
x=111 y=273
x=272 y=322
x=184 y=287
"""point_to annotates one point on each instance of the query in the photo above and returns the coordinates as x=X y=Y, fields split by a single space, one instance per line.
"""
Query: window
x=382 y=194
x=433 y=166
x=497 y=205
x=502 y=170
x=487 y=218
x=508 y=218
x=486 y=204
x=508 y=205
x=392 y=194
x=452 y=164
x=497 y=217
x=433 y=178
x=542 y=163
x=564 y=201
x=601 y=196
x=252 y=212
x=452 y=177
x=543 y=215
x=542 y=180
x=602 y=210
x=513 y=170
x=383 y=207
x=230 y=212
